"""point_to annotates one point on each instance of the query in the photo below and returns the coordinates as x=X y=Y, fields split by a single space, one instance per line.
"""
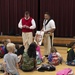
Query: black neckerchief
x=47 y=23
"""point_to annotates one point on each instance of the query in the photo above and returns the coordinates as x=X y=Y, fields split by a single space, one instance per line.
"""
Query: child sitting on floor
x=71 y=54
x=54 y=57
x=29 y=58
x=11 y=61
x=69 y=46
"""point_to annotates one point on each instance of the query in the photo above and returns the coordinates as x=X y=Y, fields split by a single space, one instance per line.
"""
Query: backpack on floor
x=45 y=67
x=66 y=71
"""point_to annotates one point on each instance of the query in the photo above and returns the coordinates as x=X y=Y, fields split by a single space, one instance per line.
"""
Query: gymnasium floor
x=61 y=50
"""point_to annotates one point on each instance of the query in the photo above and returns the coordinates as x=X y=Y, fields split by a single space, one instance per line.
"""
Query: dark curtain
x=62 y=11
x=11 y=11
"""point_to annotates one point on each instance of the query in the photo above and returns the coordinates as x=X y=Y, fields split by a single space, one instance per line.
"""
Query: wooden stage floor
x=62 y=51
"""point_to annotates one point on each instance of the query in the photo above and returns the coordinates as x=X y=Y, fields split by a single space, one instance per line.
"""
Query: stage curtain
x=63 y=13
x=11 y=11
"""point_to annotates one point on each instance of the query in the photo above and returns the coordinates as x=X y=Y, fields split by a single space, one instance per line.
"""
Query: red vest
x=28 y=23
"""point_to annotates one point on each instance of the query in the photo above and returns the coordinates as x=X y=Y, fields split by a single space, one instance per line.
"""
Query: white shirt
x=31 y=27
x=49 y=26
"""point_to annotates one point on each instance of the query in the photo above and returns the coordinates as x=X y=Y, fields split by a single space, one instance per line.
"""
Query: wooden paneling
x=63 y=40
x=57 y=40
x=15 y=39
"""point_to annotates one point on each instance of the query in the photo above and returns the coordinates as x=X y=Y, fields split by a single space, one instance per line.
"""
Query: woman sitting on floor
x=71 y=54
x=29 y=58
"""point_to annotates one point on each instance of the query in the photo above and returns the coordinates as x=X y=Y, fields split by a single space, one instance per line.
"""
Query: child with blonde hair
x=38 y=40
x=11 y=61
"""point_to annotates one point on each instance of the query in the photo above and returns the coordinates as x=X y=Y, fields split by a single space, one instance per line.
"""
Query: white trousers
x=28 y=36
x=48 y=42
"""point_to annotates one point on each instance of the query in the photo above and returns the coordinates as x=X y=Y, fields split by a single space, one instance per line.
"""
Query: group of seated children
x=27 y=61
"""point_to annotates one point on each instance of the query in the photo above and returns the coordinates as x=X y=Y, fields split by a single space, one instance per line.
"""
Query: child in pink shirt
x=38 y=40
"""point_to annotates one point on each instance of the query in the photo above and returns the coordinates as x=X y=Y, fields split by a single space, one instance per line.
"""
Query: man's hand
x=24 y=26
x=42 y=29
x=27 y=27
x=45 y=32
